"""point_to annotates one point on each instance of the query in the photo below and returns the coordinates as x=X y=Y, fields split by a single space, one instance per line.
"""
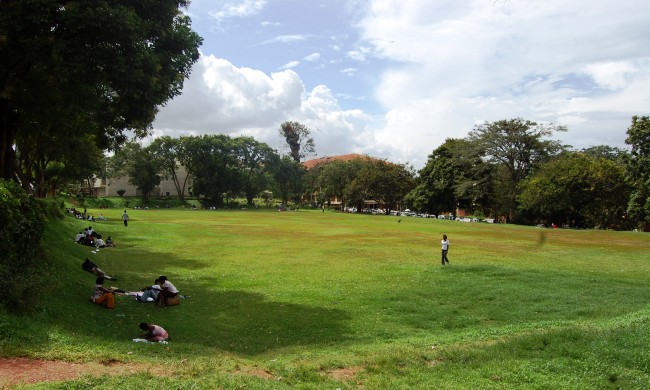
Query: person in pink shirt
x=153 y=332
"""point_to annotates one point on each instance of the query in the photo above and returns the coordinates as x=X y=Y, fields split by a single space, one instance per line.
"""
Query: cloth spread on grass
x=147 y=341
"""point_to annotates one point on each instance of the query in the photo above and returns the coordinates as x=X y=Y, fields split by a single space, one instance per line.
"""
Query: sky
x=395 y=79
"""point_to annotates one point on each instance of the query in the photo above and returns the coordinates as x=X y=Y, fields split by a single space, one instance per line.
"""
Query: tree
x=75 y=68
x=254 y=160
x=143 y=172
x=518 y=146
x=287 y=175
x=381 y=181
x=638 y=170
x=298 y=139
x=140 y=165
x=169 y=151
x=578 y=189
x=210 y=159
x=335 y=177
x=454 y=176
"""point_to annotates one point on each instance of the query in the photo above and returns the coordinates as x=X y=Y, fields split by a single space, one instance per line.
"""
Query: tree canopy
x=298 y=138
x=638 y=170
x=89 y=70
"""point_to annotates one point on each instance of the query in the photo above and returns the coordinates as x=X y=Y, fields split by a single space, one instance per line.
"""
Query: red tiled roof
x=322 y=160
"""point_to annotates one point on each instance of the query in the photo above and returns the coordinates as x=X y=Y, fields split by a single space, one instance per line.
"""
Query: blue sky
x=394 y=79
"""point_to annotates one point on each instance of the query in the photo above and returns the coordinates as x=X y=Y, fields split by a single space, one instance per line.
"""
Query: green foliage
x=22 y=264
x=288 y=175
x=638 y=170
x=115 y=64
x=517 y=146
x=381 y=181
x=298 y=139
x=579 y=190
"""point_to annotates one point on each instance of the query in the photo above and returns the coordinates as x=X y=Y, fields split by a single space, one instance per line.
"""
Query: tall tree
x=288 y=175
x=336 y=176
x=578 y=189
x=638 y=170
x=455 y=176
x=140 y=165
x=298 y=138
x=211 y=161
x=143 y=171
x=169 y=151
x=381 y=181
x=72 y=68
x=254 y=160
x=517 y=145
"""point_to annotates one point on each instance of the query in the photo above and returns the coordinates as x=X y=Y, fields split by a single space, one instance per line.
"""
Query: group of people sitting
x=91 y=237
x=162 y=292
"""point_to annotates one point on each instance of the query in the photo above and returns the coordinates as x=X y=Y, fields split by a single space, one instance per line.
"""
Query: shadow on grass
x=248 y=323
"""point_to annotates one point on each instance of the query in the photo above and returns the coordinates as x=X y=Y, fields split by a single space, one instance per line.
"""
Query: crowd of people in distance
x=85 y=216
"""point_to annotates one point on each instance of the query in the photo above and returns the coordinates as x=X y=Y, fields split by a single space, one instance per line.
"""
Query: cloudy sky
x=394 y=79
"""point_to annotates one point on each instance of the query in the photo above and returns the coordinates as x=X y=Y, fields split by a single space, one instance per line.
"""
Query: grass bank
x=333 y=300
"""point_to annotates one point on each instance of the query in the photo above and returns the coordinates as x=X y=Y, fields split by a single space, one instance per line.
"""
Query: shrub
x=22 y=258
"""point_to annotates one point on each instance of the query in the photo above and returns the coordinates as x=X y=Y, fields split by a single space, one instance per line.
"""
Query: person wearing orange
x=103 y=296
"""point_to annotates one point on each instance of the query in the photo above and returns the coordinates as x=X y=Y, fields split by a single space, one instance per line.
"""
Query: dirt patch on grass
x=344 y=373
x=14 y=371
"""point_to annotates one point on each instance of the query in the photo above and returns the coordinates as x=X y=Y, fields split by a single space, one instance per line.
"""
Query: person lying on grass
x=150 y=293
x=153 y=332
x=91 y=267
x=168 y=290
x=103 y=296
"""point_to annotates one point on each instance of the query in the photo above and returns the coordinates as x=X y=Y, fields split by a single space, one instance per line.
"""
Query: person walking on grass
x=125 y=218
x=445 y=249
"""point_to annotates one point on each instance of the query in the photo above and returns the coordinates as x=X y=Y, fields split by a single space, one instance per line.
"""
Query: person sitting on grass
x=99 y=243
x=150 y=293
x=168 y=290
x=110 y=243
x=103 y=296
x=153 y=332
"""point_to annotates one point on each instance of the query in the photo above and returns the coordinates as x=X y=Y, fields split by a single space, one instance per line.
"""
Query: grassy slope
x=298 y=294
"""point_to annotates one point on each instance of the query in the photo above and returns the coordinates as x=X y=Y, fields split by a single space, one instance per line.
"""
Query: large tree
x=169 y=152
x=335 y=177
x=578 y=189
x=381 y=181
x=287 y=175
x=517 y=146
x=254 y=162
x=211 y=161
x=73 y=68
x=298 y=138
x=638 y=170
x=454 y=176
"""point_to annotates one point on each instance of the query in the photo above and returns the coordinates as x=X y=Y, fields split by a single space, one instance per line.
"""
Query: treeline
x=514 y=170
x=221 y=168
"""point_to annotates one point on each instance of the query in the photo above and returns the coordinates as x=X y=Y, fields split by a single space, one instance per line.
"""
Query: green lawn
x=302 y=296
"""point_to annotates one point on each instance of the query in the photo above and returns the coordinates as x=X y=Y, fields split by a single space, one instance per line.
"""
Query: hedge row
x=22 y=260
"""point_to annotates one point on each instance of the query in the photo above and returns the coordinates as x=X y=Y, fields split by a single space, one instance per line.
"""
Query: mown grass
x=299 y=295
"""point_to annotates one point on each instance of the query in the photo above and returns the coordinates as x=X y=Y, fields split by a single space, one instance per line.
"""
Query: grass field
x=330 y=300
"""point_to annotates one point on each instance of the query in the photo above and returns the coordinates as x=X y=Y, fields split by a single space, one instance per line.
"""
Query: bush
x=21 y=264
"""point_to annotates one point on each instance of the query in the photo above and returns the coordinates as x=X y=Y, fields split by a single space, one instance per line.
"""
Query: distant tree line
x=512 y=170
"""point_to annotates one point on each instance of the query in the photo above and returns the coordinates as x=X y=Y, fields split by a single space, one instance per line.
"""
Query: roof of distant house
x=328 y=159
